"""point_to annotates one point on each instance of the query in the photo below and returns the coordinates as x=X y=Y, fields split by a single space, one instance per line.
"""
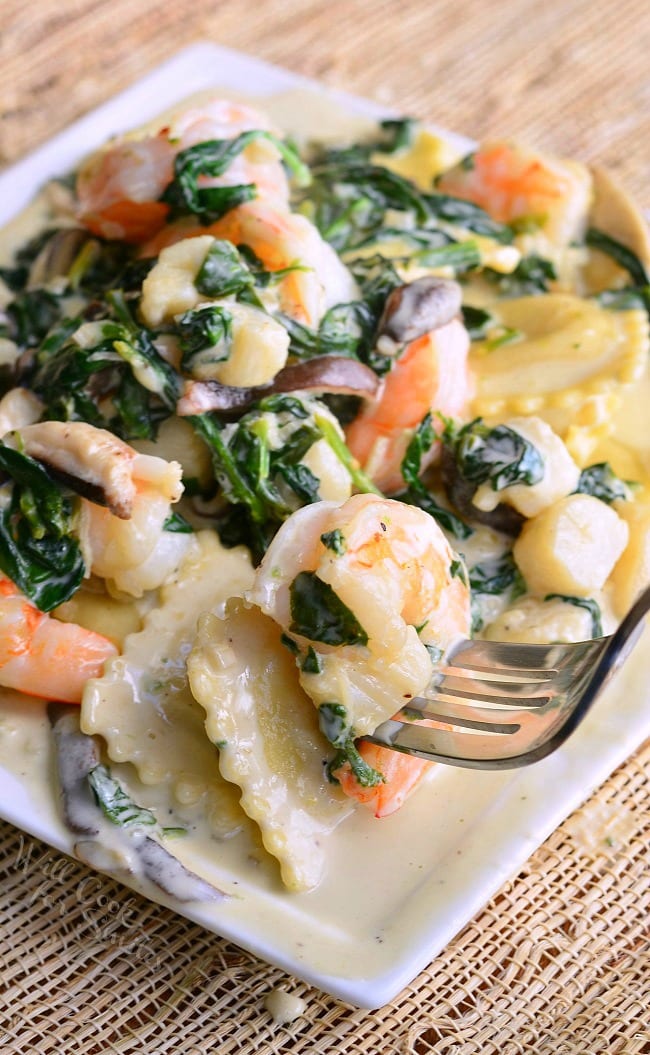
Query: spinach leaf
x=601 y=481
x=31 y=315
x=335 y=727
x=16 y=277
x=178 y=524
x=205 y=336
x=467 y=215
x=350 y=197
x=531 y=276
x=477 y=321
x=345 y=329
x=37 y=549
x=312 y=663
x=496 y=576
x=620 y=253
x=223 y=271
x=319 y=614
x=588 y=604
x=118 y=807
x=417 y=493
x=212 y=158
x=499 y=456
x=301 y=480
x=396 y=133
x=365 y=775
x=333 y=724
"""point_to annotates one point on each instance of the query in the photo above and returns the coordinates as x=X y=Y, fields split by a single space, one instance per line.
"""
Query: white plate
x=399 y=889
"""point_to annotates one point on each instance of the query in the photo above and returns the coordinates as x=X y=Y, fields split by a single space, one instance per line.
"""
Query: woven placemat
x=571 y=77
x=559 y=961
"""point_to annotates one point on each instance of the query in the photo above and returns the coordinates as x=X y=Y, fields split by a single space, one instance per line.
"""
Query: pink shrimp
x=42 y=656
x=512 y=183
x=119 y=188
x=280 y=239
x=431 y=374
x=392 y=568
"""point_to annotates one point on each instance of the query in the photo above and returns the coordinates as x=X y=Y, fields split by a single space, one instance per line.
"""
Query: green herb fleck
x=334 y=540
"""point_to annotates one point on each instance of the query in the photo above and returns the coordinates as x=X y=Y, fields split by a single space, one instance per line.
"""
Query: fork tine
x=519 y=660
x=473 y=718
x=501 y=705
x=510 y=675
x=497 y=692
x=471 y=715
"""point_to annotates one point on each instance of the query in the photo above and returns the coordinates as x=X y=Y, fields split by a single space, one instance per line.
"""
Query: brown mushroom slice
x=57 y=255
x=76 y=756
x=125 y=851
x=92 y=462
x=419 y=307
x=325 y=373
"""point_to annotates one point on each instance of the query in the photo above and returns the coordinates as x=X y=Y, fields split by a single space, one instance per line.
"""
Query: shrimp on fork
x=386 y=570
x=41 y=656
x=119 y=188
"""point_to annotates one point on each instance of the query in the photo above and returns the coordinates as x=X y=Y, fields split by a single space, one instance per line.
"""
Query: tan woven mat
x=559 y=961
x=557 y=964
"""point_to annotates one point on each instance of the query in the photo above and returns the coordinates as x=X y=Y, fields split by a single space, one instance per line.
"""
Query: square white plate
x=399 y=889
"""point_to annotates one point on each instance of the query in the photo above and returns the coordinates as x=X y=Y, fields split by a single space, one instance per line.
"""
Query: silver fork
x=499 y=705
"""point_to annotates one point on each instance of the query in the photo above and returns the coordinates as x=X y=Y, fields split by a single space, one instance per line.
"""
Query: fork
x=500 y=705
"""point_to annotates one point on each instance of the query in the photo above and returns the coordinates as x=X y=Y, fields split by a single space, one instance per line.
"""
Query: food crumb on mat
x=284 y=1007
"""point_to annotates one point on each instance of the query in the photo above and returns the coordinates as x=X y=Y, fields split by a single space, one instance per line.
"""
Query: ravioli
x=269 y=741
x=143 y=706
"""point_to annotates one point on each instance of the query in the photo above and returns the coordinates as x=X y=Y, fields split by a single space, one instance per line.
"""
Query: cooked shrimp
x=513 y=183
x=136 y=554
x=390 y=568
x=431 y=374
x=44 y=657
x=280 y=239
x=128 y=499
x=119 y=188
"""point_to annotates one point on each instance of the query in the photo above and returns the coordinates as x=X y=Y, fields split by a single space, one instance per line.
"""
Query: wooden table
x=559 y=962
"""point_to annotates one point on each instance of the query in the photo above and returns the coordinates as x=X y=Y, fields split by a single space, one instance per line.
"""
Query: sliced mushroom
x=76 y=756
x=325 y=373
x=92 y=462
x=419 y=307
x=57 y=255
x=167 y=872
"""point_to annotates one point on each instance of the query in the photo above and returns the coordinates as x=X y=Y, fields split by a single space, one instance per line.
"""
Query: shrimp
x=280 y=239
x=431 y=374
x=42 y=656
x=119 y=188
x=121 y=524
x=387 y=571
x=136 y=554
x=513 y=184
